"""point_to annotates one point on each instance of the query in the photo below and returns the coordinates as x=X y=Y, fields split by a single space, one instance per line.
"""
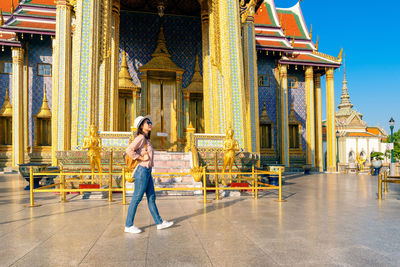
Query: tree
x=396 y=144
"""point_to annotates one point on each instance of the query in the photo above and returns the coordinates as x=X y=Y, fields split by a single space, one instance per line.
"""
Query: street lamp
x=391 y=123
x=337 y=149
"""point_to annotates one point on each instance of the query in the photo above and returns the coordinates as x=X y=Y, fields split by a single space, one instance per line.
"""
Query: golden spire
x=196 y=83
x=1 y=17
x=294 y=37
x=264 y=114
x=6 y=109
x=12 y=7
x=311 y=32
x=316 y=44
x=124 y=78
x=44 y=111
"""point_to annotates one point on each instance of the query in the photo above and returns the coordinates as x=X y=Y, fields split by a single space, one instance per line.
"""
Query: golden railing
x=394 y=179
x=253 y=177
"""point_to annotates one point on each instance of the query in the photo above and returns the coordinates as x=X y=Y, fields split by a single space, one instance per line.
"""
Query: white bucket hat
x=139 y=120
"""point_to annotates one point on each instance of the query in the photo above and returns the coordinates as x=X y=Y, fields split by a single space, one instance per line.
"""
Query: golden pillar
x=284 y=117
x=250 y=79
x=234 y=96
x=186 y=100
x=179 y=116
x=61 y=96
x=105 y=67
x=319 y=162
x=207 y=87
x=135 y=104
x=330 y=122
x=215 y=122
x=115 y=67
x=310 y=131
x=17 y=106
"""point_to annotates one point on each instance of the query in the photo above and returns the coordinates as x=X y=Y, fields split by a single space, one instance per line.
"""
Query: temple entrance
x=162 y=109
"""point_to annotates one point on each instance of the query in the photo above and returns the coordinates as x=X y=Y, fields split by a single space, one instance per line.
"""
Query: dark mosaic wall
x=39 y=51
x=267 y=94
x=138 y=37
x=297 y=94
x=5 y=79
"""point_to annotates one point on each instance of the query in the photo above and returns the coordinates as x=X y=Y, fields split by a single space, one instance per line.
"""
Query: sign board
x=162 y=134
x=389 y=146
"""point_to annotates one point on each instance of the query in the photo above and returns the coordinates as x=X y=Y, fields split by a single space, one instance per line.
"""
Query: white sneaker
x=164 y=224
x=133 y=229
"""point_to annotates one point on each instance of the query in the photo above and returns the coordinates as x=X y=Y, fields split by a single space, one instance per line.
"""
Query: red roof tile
x=41 y=2
x=34 y=25
x=270 y=43
x=290 y=25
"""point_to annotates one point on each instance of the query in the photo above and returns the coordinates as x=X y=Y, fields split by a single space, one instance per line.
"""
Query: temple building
x=354 y=137
x=245 y=64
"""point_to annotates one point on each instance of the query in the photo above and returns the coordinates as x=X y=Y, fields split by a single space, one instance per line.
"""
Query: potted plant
x=376 y=159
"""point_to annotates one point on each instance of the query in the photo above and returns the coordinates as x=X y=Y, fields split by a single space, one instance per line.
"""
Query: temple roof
x=285 y=30
x=32 y=16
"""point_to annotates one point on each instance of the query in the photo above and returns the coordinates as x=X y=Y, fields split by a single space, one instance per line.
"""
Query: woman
x=141 y=149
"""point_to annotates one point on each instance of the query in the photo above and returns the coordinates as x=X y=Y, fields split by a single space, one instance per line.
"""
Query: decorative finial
x=340 y=54
x=294 y=37
x=12 y=6
x=316 y=44
x=311 y=32
x=1 y=17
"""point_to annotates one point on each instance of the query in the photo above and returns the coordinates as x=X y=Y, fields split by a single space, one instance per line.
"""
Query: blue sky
x=369 y=32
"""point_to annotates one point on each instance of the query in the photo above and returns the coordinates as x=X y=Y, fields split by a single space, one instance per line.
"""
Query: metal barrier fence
x=253 y=176
x=394 y=179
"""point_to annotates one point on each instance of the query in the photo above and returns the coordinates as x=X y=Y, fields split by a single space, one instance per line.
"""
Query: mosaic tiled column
x=18 y=109
x=61 y=108
x=310 y=130
x=232 y=70
x=318 y=123
x=115 y=67
x=284 y=121
x=85 y=68
x=251 y=85
x=207 y=88
x=330 y=122
x=105 y=67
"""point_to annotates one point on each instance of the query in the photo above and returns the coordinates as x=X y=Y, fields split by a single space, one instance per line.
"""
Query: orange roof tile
x=359 y=135
x=37 y=13
x=35 y=25
x=41 y=2
x=5 y=5
x=262 y=16
x=270 y=43
x=375 y=131
x=289 y=24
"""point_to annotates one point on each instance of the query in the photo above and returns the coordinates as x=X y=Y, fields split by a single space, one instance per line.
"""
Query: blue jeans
x=143 y=183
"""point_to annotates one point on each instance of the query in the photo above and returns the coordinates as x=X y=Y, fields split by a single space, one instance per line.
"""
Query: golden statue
x=360 y=162
x=92 y=142
x=230 y=147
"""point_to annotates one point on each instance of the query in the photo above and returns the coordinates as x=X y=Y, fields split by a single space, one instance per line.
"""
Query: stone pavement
x=329 y=220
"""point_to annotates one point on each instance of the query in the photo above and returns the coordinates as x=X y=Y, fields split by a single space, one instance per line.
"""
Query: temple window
x=125 y=106
x=266 y=128
x=43 y=124
x=6 y=122
x=5 y=67
x=44 y=69
x=292 y=82
x=294 y=136
x=196 y=116
x=263 y=80
x=266 y=136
